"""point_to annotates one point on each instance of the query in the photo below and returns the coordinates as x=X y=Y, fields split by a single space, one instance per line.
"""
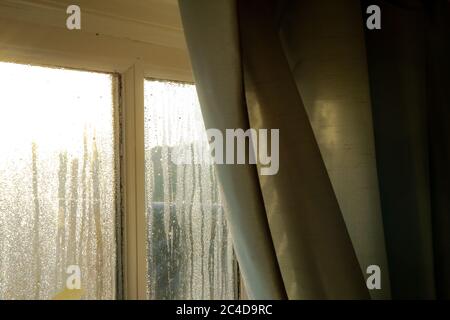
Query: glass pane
x=57 y=183
x=190 y=253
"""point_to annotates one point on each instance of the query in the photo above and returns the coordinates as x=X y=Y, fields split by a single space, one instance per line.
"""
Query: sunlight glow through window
x=57 y=181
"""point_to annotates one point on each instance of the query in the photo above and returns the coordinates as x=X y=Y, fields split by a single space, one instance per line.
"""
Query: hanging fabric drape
x=410 y=77
x=213 y=39
x=290 y=240
x=324 y=44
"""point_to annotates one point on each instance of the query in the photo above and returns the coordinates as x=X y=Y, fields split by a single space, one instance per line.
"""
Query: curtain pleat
x=211 y=30
x=325 y=46
x=290 y=238
x=409 y=76
x=314 y=251
x=438 y=29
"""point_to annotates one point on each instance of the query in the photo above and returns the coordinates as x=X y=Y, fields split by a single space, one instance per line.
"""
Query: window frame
x=239 y=282
x=116 y=81
x=74 y=50
x=130 y=164
x=128 y=126
x=133 y=184
x=35 y=34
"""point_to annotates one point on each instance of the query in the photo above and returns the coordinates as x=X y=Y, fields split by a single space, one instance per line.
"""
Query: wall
x=112 y=38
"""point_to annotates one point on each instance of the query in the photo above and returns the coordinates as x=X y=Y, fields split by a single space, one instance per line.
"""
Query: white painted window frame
x=130 y=127
x=76 y=50
x=33 y=32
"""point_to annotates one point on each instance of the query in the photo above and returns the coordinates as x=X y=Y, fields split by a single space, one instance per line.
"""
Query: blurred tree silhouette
x=173 y=255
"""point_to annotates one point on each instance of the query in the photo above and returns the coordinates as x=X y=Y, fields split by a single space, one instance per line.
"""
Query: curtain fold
x=290 y=239
x=325 y=46
x=438 y=29
x=409 y=76
x=211 y=30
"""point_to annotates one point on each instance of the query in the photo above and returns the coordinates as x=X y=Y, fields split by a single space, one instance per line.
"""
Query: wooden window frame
x=129 y=145
x=133 y=63
x=129 y=126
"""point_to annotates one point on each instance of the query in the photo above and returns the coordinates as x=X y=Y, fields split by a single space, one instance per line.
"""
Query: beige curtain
x=324 y=44
x=409 y=68
x=289 y=235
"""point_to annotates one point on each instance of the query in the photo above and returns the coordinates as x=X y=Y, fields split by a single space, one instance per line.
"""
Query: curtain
x=212 y=35
x=410 y=77
x=364 y=141
x=324 y=44
x=290 y=239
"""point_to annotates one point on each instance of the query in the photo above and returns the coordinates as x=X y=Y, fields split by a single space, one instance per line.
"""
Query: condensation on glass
x=57 y=182
x=190 y=253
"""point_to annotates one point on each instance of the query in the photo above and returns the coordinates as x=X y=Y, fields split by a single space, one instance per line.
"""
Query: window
x=190 y=253
x=61 y=193
x=57 y=181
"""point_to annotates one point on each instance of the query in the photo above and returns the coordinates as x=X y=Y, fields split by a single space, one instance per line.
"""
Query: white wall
x=114 y=35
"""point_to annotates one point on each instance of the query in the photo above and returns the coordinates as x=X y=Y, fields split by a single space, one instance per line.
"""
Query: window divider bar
x=141 y=218
x=133 y=178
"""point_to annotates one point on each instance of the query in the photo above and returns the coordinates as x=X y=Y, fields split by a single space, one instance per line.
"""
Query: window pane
x=57 y=182
x=190 y=253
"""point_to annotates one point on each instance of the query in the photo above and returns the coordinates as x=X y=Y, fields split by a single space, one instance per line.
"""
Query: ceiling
x=146 y=30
